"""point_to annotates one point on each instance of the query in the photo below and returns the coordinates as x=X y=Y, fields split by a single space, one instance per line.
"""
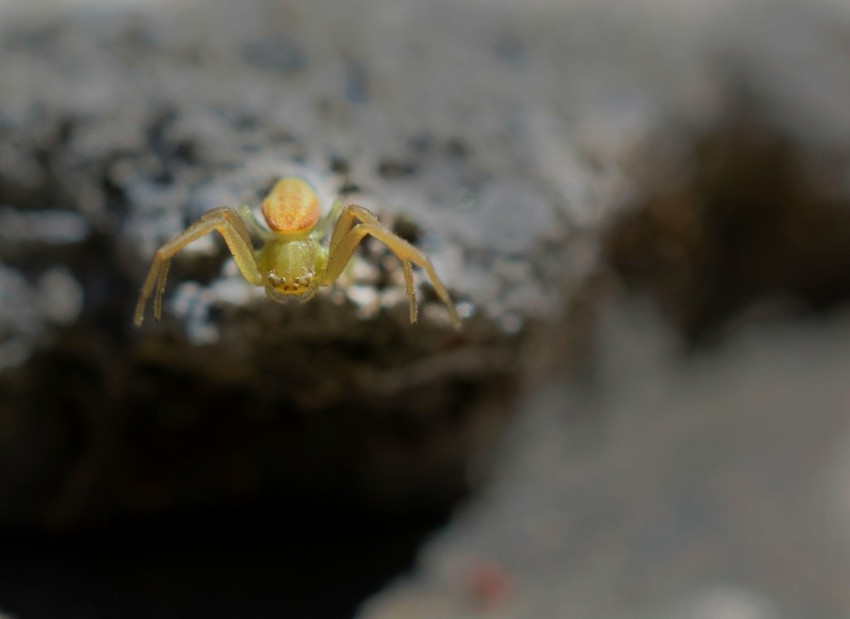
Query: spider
x=292 y=262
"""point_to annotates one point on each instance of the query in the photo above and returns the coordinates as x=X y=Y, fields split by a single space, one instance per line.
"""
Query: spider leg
x=407 y=269
x=325 y=223
x=247 y=214
x=354 y=214
x=224 y=220
x=341 y=252
x=351 y=215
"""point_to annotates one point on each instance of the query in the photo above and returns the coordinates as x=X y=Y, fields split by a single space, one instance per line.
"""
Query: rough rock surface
x=544 y=154
x=119 y=127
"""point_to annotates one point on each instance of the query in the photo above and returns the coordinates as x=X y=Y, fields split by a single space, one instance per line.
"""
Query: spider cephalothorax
x=292 y=262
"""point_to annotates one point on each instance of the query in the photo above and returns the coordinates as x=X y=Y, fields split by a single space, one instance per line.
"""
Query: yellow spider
x=292 y=262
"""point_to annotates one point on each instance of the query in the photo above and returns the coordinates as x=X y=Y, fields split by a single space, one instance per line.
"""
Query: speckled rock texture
x=119 y=126
x=549 y=156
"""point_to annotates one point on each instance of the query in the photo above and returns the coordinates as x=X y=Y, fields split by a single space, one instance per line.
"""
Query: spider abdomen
x=291 y=207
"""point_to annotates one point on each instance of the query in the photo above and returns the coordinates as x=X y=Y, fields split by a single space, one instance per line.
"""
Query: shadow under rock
x=259 y=561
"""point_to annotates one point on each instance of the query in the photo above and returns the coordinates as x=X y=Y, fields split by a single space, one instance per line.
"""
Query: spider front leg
x=224 y=220
x=351 y=216
x=346 y=238
x=328 y=221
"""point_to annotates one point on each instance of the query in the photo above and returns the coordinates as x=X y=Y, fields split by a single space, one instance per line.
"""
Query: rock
x=525 y=146
x=671 y=493
x=120 y=127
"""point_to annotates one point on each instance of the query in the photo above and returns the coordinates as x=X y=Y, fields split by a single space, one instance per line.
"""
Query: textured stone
x=121 y=127
x=532 y=149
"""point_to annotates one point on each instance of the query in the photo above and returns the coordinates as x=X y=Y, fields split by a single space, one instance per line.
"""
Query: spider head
x=290 y=267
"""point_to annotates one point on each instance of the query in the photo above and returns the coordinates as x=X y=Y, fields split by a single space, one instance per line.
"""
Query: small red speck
x=488 y=584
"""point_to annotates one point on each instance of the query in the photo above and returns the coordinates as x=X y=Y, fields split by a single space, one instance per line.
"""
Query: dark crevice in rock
x=272 y=558
x=158 y=427
x=745 y=218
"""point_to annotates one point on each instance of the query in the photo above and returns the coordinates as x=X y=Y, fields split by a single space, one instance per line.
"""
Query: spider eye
x=283 y=285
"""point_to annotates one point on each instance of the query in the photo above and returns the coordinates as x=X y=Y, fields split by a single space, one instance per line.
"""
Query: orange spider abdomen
x=291 y=206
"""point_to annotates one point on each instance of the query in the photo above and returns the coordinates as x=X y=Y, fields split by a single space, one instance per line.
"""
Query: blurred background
x=642 y=211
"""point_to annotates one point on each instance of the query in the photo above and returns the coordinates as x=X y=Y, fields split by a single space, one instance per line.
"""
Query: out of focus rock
x=738 y=217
